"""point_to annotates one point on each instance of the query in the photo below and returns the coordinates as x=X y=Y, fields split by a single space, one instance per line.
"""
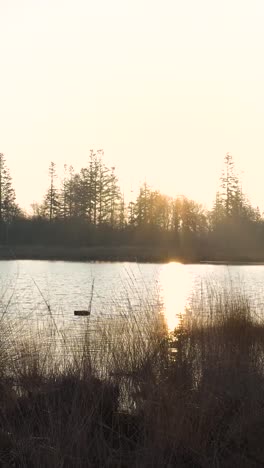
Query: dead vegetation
x=130 y=395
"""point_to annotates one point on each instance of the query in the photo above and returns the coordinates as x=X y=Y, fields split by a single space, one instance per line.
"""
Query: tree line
x=87 y=208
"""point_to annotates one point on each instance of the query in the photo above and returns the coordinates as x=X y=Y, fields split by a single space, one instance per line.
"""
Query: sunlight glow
x=176 y=286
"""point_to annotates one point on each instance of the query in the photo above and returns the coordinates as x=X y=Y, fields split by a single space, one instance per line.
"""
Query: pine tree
x=218 y=214
x=142 y=206
x=131 y=213
x=230 y=188
x=231 y=206
x=8 y=206
x=63 y=209
x=114 y=195
x=70 y=186
x=51 y=201
x=103 y=191
x=122 y=218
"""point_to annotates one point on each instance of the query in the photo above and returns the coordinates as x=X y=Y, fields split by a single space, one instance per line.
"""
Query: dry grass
x=130 y=395
x=209 y=406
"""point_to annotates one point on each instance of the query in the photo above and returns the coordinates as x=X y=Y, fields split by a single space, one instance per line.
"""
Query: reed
x=125 y=393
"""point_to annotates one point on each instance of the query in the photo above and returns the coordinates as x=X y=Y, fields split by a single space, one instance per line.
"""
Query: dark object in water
x=82 y=313
x=85 y=313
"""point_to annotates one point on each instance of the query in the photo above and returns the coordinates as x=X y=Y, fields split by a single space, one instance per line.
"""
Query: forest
x=87 y=209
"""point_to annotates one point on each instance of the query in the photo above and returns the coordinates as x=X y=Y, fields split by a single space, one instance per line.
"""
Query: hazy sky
x=166 y=88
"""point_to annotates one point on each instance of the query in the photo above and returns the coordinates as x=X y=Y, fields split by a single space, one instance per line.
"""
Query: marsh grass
x=123 y=392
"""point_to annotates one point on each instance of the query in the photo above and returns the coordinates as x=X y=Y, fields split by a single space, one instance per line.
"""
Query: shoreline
x=112 y=254
x=89 y=254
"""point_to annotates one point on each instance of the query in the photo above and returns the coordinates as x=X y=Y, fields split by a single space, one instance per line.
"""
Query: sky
x=166 y=88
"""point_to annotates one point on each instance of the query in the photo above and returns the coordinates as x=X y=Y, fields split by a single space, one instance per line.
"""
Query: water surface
x=30 y=290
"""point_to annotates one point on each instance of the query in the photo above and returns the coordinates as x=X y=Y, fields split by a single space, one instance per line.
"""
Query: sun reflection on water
x=176 y=287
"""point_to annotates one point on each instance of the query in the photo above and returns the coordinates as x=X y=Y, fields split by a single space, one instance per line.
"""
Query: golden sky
x=165 y=87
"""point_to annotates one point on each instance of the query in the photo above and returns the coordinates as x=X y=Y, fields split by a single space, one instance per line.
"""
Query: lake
x=28 y=287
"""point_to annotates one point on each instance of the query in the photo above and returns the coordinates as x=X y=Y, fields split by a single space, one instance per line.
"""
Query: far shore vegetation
x=84 y=216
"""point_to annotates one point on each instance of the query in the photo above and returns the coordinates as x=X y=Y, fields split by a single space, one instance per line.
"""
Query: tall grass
x=126 y=393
